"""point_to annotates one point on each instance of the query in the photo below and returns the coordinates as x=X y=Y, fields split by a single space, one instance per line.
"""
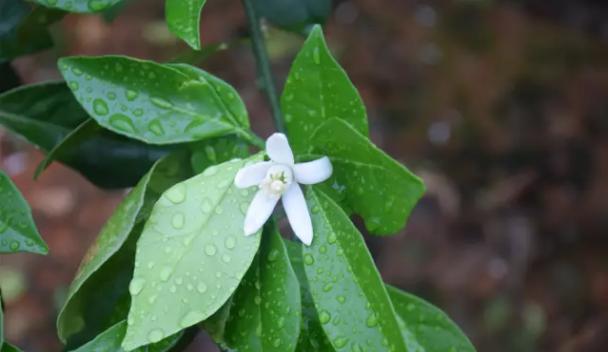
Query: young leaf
x=318 y=89
x=354 y=308
x=425 y=327
x=98 y=296
x=82 y=6
x=191 y=255
x=294 y=15
x=312 y=336
x=126 y=96
x=110 y=340
x=365 y=179
x=265 y=312
x=184 y=18
x=18 y=232
x=45 y=114
x=23 y=30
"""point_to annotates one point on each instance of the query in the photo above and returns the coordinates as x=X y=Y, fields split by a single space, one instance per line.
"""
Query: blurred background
x=501 y=106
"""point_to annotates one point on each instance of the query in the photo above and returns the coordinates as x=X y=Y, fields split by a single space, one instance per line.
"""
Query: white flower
x=278 y=178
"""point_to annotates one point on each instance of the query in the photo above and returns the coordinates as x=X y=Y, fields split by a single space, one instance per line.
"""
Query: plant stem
x=263 y=63
x=252 y=138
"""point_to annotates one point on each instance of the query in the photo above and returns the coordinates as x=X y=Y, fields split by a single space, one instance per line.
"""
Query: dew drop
x=161 y=103
x=230 y=242
x=226 y=258
x=156 y=127
x=122 y=122
x=165 y=273
x=100 y=107
x=74 y=85
x=340 y=342
x=14 y=246
x=201 y=287
x=210 y=249
x=136 y=285
x=210 y=171
x=131 y=95
x=191 y=318
x=372 y=320
x=206 y=206
x=155 y=335
x=177 y=221
x=324 y=317
x=308 y=259
x=177 y=194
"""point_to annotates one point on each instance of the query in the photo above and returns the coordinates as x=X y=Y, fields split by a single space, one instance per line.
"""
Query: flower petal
x=297 y=213
x=252 y=175
x=278 y=149
x=312 y=172
x=259 y=211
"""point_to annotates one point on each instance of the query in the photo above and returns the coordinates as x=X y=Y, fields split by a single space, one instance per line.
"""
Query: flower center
x=278 y=178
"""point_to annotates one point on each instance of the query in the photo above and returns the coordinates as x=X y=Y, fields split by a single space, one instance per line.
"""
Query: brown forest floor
x=502 y=108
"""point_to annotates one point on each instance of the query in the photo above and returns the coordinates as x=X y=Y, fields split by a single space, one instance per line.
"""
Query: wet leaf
x=192 y=254
x=184 y=18
x=365 y=179
x=312 y=337
x=318 y=89
x=82 y=6
x=110 y=340
x=265 y=312
x=44 y=114
x=215 y=151
x=353 y=305
x=98 y=296
x=124 y=95
x=425 y=327
x=18 y=232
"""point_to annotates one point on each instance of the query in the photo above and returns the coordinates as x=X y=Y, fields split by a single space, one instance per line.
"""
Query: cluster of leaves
x=173 y=257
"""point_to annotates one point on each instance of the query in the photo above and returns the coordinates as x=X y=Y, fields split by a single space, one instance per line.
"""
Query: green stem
x=264 y=71
x=252 y=138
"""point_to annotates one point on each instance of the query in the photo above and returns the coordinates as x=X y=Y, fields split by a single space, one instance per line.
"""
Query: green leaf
x=44 y=114
x=126 y=96
x=184 y=18
x=312 y=336
x=191 y=255
x=82 y=6
x=23 y=28
x=293 y=15
x=18 y=232
x=425 y=327
x=110 y=340
x=1 y=322
x=353 y=305
x=365 y=179
x=7 y=347
x=215 y=151
x=318 y=89
x=265 y=312
x=98 y=296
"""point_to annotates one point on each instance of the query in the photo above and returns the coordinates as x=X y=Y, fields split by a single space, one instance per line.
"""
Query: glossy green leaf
x=98 y=296
x=365 y=179
x=82 y=6
x=44 y=114
x=154 y=103
x=215 y=151
x=293 y=15
x=23 y=28
x=7 y=347
x=184 y=18
x=318 y=89
x=312 y=337
x=265 y=313
x=18 y=231
x=1 y=322
x=354 y=308
x=425 y=327
x=191 y=255
x=110 y=340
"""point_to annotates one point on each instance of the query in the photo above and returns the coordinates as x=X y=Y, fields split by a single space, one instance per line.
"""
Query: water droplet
x=165 y=273
x=372 y=320
x=177 y=194
x=131 y=95
x=210 y=249
x=210 y=171
x=276 y=343
x=230 y=242
x=324 y=317
x=178 y=220
x=155 y=335
x=74 y=85
x=100 y=107
x=14 y=246
x=201 y=287
x=316 y=56
x=308 y=259
x=111 y=95
x=156 y=127
x=161 y=103
x=77 y=71
x=273 y=255
x=122 y=122
x=138 y=112
x=340 y=342
x=206 y=206
x=136 y=285
x=332 y=238
x=191 y=318
x=97 y=5
x=341 y=299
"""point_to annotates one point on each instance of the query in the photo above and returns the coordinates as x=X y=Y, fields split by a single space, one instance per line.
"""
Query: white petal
x=259 y=211
x=312 y=172
x=278 y=149
x=297 y=213
x=252 y=175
